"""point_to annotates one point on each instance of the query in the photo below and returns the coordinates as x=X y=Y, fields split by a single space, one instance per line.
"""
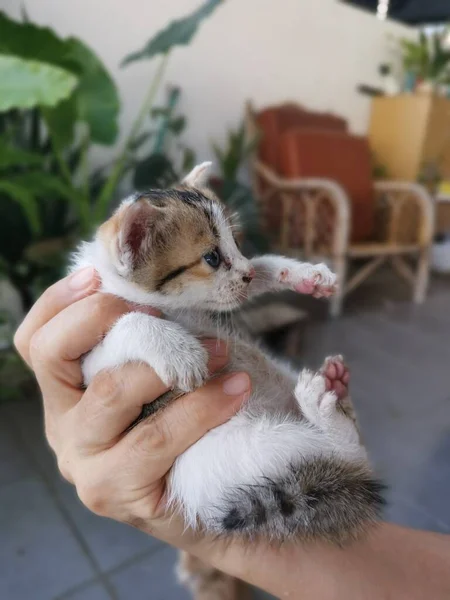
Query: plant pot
x=425 y=87
x=440 y=256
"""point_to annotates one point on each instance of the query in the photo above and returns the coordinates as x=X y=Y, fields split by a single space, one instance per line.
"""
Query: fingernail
x=216 y=348
x=236 y=384
x=81 y=279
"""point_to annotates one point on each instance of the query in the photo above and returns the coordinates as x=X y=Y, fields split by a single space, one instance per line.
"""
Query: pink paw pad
x=314 y=288
x=337 y=376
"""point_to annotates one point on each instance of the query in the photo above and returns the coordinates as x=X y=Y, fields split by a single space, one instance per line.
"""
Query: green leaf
x=96 y=96
x=188 y=160
x=177 y=33
x=160 y=111
x=140 y=139
x=97 y=101
x=12 y=156
x=61 y=122
x=29 y=83
x=155 y=171
x=177 y=125
x=42 y=183
x=26 y=201
x=26 y=40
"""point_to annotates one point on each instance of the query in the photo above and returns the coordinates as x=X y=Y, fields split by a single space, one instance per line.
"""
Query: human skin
x=123 y=474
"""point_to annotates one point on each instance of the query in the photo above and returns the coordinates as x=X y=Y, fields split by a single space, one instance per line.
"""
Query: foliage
x=28 y=83
x=237 y=195
x=428 y=58
x=57 y=100
x=177 y=33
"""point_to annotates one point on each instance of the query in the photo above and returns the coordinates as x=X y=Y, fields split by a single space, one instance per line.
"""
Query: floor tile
x=13 y=461
x=39 y=558
x=110 y=543
x=151 y=579
x=92 y=592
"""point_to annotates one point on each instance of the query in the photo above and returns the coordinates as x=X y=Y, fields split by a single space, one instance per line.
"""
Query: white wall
x=312 y=51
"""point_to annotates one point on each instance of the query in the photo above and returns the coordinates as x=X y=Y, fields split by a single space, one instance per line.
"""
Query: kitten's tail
x=321 y=498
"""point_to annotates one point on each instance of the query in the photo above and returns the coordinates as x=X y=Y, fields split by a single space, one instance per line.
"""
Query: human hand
x=117 y=473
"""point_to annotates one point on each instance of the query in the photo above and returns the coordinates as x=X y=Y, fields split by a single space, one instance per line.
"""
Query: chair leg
x=422 y=276
x=336 y=302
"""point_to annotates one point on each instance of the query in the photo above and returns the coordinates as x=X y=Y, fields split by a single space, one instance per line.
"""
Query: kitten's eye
x=213 y=259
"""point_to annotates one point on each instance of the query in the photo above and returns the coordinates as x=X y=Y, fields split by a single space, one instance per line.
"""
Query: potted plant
x=427 y=61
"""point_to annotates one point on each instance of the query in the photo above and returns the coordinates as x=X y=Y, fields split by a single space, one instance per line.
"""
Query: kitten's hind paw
x=314 y=280
x=337 y=375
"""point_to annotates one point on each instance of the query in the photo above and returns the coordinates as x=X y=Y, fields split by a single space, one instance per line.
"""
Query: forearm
x=392 y=562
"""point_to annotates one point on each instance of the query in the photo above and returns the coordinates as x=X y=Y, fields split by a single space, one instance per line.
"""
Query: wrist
x=378 y=566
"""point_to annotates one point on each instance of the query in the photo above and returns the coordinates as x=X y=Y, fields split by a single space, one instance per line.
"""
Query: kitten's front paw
x=186 y=367
x=315 y=280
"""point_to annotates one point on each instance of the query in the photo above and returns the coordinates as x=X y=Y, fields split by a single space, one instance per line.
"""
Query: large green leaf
x=27 y=202
x=60 y=121
x=12 y=156
x=41 y=183
x=28 y=83
x=96 y=95
x=155 y=171
x=27 y=40
x=96 y=98
x=177 y=33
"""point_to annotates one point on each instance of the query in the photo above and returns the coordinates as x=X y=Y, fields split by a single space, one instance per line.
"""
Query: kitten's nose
x=247 y=278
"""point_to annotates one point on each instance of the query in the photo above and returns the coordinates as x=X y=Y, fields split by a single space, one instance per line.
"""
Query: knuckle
x=40 y=349
x=106 y=387
x=153 y=438
x=93 y=496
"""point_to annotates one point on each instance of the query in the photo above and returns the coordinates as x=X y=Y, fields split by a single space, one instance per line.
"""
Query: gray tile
x=94 y=591
x=39 y=558
x=151 y=579
x=13 y=461
x=28 y=418
x=110 y=543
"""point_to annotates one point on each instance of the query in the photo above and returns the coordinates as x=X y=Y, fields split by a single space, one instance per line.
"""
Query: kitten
x=290 y=462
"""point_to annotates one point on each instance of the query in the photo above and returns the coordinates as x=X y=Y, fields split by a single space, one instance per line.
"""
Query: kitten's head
x=178 y=246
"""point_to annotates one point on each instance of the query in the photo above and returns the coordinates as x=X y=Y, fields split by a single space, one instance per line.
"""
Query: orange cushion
x=276 y=120
x=341 y=157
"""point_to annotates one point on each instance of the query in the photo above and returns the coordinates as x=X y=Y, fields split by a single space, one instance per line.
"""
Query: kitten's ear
x=198 y=177
x=136 y=224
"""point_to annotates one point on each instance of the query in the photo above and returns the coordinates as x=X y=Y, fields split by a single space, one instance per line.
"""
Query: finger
x=156 y=442
x=114 y=400
x=55 y=299
x=57 y=346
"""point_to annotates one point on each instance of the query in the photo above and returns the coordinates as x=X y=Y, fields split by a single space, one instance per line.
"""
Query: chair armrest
x=309 y=189
x=397 y=194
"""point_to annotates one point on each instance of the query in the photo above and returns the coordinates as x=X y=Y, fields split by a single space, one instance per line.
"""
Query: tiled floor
x=51 y=548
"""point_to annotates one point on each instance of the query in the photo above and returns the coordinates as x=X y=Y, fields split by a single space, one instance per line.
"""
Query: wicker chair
x=311 y=218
